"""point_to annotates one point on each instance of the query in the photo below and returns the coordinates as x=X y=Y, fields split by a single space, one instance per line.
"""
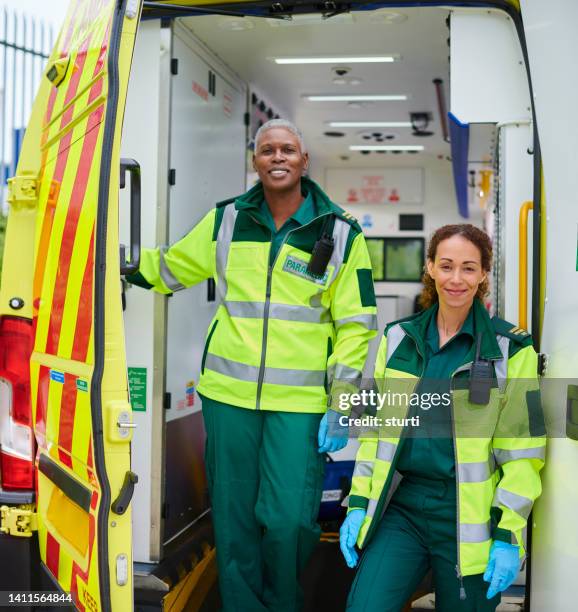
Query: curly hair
x=429 y=294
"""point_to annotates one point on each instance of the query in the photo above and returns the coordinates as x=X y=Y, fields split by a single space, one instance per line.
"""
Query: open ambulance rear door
x=68 y=175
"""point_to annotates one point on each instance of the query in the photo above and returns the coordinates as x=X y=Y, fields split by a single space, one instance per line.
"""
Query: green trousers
x=265 y=481
x=416 y=533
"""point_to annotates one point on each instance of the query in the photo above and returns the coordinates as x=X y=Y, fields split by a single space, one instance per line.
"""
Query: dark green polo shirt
x=429 y=453
x=303 y=215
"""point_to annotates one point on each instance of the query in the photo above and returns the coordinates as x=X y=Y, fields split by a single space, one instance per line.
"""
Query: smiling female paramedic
x=470 y=471
x=296 y=311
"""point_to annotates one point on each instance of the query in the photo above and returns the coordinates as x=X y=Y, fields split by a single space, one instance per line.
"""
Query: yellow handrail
x=523 y=265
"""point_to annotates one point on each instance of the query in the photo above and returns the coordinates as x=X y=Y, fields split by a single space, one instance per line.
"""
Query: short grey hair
x=281 y=123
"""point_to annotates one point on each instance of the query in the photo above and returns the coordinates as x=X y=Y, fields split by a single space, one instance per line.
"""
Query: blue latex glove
x=348 y=536
x=332 y=436
x=502 y=568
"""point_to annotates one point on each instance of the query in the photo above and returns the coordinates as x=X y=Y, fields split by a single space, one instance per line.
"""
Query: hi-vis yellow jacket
x=499 y=447
x=280 y=336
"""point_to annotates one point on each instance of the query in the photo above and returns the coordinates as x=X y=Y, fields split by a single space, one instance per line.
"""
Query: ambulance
x=415 y=114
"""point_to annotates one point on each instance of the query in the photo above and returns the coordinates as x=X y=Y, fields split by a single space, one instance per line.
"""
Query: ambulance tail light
x=16 y=437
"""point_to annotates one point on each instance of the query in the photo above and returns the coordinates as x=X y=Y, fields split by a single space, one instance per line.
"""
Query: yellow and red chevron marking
x=64 y=279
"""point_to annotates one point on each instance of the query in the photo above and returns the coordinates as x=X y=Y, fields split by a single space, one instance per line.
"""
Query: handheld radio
x=480 y=377
x=322 y=251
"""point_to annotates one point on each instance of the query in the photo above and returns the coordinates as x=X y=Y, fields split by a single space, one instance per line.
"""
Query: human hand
x=348 y=535
x=332 y=436
x=503 y=567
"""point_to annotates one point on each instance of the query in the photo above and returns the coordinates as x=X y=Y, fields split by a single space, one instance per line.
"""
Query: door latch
x=120 y=504
x=18 y=521
x=124 y=423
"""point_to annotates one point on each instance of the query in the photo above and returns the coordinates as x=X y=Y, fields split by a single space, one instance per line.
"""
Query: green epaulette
x=347 y=217
x=504 y=328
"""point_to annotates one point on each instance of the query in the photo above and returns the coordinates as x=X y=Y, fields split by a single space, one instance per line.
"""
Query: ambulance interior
x=199 y=88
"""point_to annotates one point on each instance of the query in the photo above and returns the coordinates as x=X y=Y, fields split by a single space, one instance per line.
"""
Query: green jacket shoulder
x=511 y=331
x=347 y=217
x=519 y=338
x=224 y=203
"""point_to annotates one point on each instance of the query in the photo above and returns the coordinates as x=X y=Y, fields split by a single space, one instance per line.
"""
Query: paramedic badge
x=299 y=268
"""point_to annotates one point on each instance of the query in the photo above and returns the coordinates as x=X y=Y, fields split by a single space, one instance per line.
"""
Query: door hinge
x=175 y=65
x=18 y=521
x=247 y=119
x=172 y=176
x=22 y=192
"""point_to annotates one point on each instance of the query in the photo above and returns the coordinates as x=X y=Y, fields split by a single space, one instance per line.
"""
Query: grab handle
x=523 y=265
x=133 y=167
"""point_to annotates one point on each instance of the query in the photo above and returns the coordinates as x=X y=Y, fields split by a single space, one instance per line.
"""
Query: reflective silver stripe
x=472 y=533
x=371 y=507
x=394 y=337
x=363 y=468
x=303 y=314
x=224 y=238
x=168 y=277
x=274 y=376
x=231 y=368
x=330 y=375
x=282 y=312
x=294 y=378
x=385 y=450
x=368 y=321
x=503 y=456
x=475 y=471
x=524 y=537
x=518 y=503
x=245 y=310
x=501 y=366
x=347 y=374
x=340 y=234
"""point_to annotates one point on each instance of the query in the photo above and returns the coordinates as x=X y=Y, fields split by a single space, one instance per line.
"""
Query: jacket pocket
x=207 y=342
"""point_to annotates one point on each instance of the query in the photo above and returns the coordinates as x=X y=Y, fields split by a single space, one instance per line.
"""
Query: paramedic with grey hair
x=296 y=312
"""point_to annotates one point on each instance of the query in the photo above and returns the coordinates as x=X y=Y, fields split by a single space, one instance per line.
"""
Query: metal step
x=509 y=603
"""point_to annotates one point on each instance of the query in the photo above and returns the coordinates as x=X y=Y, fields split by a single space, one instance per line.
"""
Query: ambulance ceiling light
x=366 y=59
x=370 y=124
x=386 y=148
x=355 y=98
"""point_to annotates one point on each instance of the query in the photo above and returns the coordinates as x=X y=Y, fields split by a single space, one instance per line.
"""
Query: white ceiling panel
x=417 y=35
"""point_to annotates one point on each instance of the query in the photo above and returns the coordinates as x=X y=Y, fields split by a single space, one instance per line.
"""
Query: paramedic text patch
x=299 y=268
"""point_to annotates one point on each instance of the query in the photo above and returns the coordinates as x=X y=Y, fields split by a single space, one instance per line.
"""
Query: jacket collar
x=417 y=327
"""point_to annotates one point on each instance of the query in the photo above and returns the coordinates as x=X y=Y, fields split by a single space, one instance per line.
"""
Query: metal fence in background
x=25 y=44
